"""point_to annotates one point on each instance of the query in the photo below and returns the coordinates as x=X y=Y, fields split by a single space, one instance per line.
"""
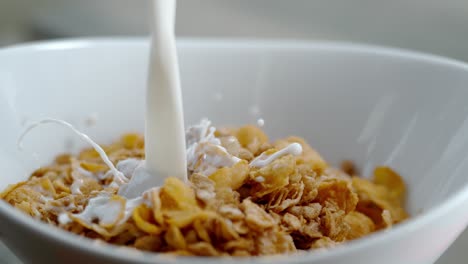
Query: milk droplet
x=260 y=122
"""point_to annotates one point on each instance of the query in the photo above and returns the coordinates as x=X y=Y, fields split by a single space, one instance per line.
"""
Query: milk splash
x=263 y=160
x=117 y=174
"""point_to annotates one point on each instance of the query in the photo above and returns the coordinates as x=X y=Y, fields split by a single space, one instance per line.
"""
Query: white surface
x=398 y=108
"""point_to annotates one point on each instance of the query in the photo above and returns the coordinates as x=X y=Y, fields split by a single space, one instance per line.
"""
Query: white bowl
x=374 y=105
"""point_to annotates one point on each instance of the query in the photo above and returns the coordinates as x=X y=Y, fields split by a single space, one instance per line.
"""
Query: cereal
x=338 y=192
x=309 y=157
x=291 y=203
x=276 y=176
x=285 y=198
x=233 y=177
x=359 y=225
x=348 y=167
x=387 y=177
x=292 y=222
x=142 y=216
x=252 y=138
x=256 y=217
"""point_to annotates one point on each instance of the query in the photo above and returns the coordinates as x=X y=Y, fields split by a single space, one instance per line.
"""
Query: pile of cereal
x=268 y=201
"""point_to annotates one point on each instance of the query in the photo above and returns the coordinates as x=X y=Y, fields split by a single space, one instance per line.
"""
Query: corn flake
x=292 y=204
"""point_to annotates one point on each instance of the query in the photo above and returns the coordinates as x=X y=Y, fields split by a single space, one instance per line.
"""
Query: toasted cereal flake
x=155 y=202
x=359 y=225
x=309 y=212
x=202 y=249
x=204 y=187
x=175 y=194
x=63 y=159
x=94 y=167
x=149 y=243
x=142 y=215
x=190 y=236
x=332 y=223
x=292 y=222
x=310 y=189
x=199 y=181
x=231 y=144
x=256 y=217
x=311 y=230
x=228 y=208
x=276 y=176
x=239 y=244
x=274 y=242
x=241 y=253
x=224 y=229
x=339 y=192
x=131 y=141
x=387 y=177
x=240 y=227
x=185 y=217
x=174 y=238
x=251 y=138
x=233 y=177
x=226 y=196
x=373 y=199
x=201 y=230
x=324 y=242
x=287 y=197
x=45 y=187
x=12 y=187
x=231 y=212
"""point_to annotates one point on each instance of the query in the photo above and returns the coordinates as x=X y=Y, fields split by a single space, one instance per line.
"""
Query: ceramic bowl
x=370 y=104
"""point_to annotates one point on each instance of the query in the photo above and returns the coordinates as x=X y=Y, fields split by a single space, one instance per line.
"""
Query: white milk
x=118 y=176
x=165 y=134
x=263 y=160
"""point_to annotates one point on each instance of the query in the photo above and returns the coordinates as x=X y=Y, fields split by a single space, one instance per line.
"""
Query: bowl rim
x=109 y=251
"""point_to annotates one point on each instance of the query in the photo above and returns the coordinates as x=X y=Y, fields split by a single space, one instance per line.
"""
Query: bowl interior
x=374 y=106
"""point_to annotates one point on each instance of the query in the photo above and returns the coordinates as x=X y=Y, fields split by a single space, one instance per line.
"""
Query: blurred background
x=435 y=26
